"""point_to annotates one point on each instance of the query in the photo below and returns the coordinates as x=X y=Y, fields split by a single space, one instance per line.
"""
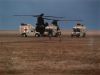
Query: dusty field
x=41 y=56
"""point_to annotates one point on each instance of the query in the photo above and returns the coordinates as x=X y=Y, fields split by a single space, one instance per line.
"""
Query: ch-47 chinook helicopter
x=42 y=28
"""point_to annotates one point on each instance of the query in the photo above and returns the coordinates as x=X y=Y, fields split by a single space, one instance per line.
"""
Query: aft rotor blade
x=6 y=16
x=48 y=19
x=61 y=19
x=53 y=17
x=28 y=15
x=39 y=15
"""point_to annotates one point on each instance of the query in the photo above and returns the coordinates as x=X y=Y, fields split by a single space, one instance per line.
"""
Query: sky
x=86 y=10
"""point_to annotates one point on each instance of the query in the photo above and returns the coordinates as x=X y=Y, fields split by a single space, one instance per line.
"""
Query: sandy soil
x=42 y=56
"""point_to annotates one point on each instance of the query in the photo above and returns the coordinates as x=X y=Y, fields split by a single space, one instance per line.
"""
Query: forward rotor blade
x=69 y=20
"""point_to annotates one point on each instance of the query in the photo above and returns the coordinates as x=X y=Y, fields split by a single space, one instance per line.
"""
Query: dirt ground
x=42 y=56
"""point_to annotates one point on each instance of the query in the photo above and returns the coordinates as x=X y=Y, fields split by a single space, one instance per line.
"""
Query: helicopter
x=43 y=29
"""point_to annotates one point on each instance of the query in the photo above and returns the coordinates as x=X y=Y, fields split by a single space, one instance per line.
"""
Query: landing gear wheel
x=37 y=35
x=58 y=34
x=24 y=34
x=84 y=35
x=78 y=35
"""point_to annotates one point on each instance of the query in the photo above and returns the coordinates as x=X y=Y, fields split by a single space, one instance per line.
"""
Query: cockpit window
x=76 y=29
